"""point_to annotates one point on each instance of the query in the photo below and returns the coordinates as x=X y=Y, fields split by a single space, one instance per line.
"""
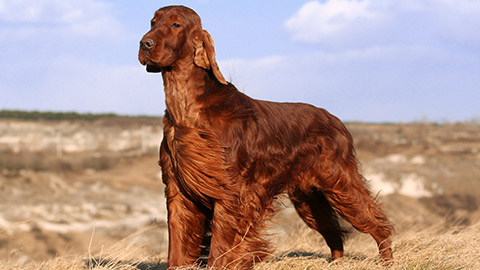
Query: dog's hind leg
x=346 y=191
x=317 y=213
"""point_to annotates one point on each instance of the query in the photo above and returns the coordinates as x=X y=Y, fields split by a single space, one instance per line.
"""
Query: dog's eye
x=175 y=25
x=152 y=23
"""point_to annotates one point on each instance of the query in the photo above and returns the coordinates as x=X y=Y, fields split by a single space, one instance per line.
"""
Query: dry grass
x=126 y=254
x=457 y=248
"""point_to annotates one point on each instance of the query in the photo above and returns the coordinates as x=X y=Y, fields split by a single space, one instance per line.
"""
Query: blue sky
x=363 y=60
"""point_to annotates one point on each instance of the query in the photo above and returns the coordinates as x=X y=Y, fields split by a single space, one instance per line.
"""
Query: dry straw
x=429 y=249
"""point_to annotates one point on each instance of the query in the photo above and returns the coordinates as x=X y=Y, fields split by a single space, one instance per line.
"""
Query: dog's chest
x=198 y=162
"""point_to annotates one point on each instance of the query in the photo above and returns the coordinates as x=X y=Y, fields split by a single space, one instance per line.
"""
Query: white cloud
x=361 y=23
x=316 y=20
x=90 y=18
x=52 y=11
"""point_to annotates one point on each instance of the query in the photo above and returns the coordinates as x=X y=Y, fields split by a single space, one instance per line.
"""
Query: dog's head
x=176 y=38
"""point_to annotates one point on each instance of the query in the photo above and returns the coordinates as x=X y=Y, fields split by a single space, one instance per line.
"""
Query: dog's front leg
x=225 y=242
x=186 y=225
x=236 y=242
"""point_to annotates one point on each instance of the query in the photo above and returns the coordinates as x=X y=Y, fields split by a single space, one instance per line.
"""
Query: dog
x=226 y=157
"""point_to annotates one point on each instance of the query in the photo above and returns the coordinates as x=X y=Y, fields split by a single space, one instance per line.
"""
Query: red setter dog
x=226 y=157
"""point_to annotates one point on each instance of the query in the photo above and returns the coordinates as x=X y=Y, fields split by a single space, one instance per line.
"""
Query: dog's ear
x=204 y=56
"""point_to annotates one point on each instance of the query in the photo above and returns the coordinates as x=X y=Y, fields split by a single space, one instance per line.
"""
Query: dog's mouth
x=155 y=63
x=150 y=65
x=153 y=69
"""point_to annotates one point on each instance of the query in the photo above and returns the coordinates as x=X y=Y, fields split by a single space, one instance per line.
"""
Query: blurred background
x=80 y=117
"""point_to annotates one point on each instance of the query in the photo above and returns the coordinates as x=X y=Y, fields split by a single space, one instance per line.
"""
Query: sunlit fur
x=226 y=157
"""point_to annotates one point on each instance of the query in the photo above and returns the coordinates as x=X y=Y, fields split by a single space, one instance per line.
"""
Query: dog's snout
x=147 y=43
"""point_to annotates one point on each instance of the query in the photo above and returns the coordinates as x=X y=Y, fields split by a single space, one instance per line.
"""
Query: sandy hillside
x=80 y=194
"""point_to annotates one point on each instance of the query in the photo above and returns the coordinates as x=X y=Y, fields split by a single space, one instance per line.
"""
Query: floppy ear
x=204 y=56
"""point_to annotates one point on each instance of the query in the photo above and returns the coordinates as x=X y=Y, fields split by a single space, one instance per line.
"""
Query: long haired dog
x=226 y=157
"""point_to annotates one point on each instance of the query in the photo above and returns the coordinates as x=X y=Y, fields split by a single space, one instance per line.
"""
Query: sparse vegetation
x=53 y=116
x=57 y=116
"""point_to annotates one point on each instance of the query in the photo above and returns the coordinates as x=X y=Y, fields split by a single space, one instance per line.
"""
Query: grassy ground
x=432 y=248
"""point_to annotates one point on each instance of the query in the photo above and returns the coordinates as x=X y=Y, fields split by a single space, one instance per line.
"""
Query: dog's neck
x=183 y=83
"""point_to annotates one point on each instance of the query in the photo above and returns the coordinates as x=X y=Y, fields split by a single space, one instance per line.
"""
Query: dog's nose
x=147 y=43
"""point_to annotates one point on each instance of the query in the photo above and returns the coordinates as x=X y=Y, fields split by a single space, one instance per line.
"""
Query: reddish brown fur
x=225 y=157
